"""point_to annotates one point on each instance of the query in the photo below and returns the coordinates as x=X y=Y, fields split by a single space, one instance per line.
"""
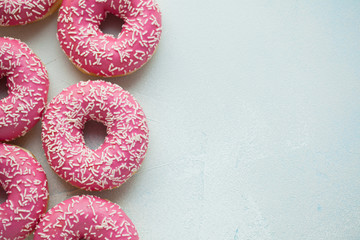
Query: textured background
x=254 y=110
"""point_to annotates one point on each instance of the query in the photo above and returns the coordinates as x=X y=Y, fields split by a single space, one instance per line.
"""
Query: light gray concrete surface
x=254 y=115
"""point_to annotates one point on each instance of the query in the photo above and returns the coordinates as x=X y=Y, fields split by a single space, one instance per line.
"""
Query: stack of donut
x=107 y=167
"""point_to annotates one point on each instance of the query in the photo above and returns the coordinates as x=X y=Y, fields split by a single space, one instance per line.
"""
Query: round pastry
x=124 y=147
x=100 y=54
x=86 y=217
x=20 y=12
x=28 y=85
x=25 y=183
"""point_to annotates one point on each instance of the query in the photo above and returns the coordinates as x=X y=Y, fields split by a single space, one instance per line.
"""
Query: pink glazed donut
x=25 y=183
x=86 y=217
x=20 y=12
x=96 y=53
x=125 y=145
x=28 y=85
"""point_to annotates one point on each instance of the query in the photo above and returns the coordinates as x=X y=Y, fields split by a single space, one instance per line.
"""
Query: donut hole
x=94 y=134
x=112 y=25
x=4 y=90
x=3 y=195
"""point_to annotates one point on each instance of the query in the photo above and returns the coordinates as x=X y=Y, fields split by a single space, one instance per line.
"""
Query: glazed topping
x=28 y=85
x=24 y=181
x=86 y=217
x=102 y=54
x=124 y=147
x=19 y=12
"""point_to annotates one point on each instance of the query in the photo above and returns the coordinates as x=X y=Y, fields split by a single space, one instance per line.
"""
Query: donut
x=99 y=54
x=20 y=12
x=86 y=217
x=28 y=85
x=25 y=184
x=124 y=147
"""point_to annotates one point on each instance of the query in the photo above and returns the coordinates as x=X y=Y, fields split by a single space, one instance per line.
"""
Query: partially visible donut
x=20 y=12
x=25 y=183
x=125 y=145
x=28 y=85
x=86 y=217
x=100 y=54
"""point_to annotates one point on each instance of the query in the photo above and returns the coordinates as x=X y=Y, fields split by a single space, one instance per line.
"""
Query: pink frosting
x=24 y=181
x=28 y=85
x=86 y=217
x=19 y=12
x=124 y=147
x=101 y=54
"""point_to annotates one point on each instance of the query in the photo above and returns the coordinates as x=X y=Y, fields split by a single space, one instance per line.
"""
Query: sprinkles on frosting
x=25 y=183
x=28 y=85
x=101 y=54
x=20 y=12
x=124 y=147
x=86 y=217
